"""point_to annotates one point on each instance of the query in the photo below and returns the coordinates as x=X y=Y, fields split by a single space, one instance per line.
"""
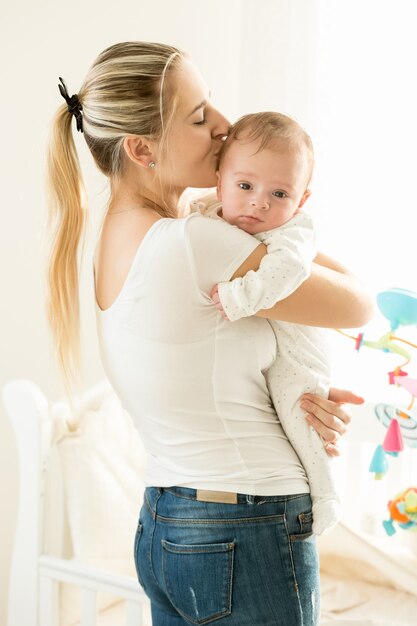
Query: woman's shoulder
x=215 y=248
x=115 y=253
x=210 y=225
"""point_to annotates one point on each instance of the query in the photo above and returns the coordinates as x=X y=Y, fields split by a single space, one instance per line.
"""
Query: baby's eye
x=201 y=122
x=245 y=186
x=279 y=194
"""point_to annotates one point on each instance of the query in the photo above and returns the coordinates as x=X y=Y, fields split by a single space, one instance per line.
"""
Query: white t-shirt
x=194 y=383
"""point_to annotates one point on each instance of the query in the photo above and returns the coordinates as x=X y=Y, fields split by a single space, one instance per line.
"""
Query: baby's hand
x=214 y=295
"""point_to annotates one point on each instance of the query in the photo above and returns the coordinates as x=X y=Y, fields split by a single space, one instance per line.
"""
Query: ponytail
x=66 y=220
x=123 y=94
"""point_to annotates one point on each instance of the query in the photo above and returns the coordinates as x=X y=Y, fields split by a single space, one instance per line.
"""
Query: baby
x=264 y=172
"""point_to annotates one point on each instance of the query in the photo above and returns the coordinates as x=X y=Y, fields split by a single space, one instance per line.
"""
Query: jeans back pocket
x=198 y=579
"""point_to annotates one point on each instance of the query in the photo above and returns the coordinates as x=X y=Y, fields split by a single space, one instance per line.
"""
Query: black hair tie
x=74 y=105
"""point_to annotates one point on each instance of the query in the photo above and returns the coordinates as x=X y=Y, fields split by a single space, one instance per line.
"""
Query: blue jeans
x=253 y=563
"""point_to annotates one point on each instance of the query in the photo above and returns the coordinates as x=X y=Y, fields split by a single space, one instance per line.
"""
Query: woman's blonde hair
x=272 y=130
x=125 y=93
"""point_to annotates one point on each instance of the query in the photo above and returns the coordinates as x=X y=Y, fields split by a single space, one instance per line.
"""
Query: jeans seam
x=228 y=522
x=149 y=507
x=230 y=546
x=295 y=496
x=136 y=549
x=291 y=555
x=300 y=537
x=154 y=516
x=179 y=495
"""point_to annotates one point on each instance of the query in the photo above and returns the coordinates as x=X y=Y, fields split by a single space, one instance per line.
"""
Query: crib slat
x=134 y=614
x=88 y=607
x=48 y=601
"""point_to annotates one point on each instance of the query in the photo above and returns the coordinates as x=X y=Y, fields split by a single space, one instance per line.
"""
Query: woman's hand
x=328 y=417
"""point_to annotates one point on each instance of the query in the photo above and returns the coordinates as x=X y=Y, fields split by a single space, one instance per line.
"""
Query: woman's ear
x=138 y=149
x=304 y=197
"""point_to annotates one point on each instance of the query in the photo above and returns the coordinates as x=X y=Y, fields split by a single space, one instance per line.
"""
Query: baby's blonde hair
x=272 y=131
x=125 y=93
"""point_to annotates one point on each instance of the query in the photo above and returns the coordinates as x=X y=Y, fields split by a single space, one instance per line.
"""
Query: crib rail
x=90 y=581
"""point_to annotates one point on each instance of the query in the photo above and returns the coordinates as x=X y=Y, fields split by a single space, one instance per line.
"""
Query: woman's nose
x=220 y=127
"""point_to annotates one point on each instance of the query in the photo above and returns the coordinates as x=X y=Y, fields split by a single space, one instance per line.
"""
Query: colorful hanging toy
x=403 y=510
x=399 y=307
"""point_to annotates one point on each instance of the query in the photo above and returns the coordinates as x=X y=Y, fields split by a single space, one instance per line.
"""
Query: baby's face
x=261 y=190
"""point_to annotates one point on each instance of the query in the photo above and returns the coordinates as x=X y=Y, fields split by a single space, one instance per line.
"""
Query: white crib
x=41 y=559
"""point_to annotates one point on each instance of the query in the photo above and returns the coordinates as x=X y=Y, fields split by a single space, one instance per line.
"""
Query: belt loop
x=250 y=499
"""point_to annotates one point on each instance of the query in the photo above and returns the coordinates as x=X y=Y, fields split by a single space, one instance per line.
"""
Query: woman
x=225 y=529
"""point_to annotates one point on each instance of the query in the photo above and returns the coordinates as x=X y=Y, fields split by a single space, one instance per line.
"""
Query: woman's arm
x=331 y=297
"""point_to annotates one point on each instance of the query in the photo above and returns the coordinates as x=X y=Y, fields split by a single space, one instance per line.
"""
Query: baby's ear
x=219 y=186
x=304 y=197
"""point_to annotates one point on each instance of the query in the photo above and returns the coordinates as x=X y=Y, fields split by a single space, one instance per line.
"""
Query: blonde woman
x=224 y=533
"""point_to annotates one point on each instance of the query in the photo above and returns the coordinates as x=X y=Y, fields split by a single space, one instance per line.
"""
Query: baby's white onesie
x=303 y=361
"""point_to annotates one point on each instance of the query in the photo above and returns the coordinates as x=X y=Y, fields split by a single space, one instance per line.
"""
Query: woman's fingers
x=331 y=414
x=329 y=434
x=343 y=395
x=331 y=449
x=330 y=437
x=328 y=417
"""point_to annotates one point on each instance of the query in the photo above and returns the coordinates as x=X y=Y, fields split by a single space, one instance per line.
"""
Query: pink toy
x=393 y=442
x=410 y=384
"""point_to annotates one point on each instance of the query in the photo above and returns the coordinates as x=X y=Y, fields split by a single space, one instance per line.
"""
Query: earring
x=151 y=164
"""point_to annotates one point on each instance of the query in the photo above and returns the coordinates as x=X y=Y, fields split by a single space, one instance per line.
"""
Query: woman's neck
x=125 y=196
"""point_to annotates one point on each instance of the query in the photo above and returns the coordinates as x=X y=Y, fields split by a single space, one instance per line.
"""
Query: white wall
x=365 y=136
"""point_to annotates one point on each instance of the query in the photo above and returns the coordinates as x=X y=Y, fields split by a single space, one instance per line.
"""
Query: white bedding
x=353 y=602
x=364 y=583
x=115 y=616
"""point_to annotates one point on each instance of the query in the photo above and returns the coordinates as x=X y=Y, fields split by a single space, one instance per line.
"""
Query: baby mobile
x=399 y=307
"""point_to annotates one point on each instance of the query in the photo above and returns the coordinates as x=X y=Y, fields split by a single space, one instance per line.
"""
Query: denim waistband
x=191 y=494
